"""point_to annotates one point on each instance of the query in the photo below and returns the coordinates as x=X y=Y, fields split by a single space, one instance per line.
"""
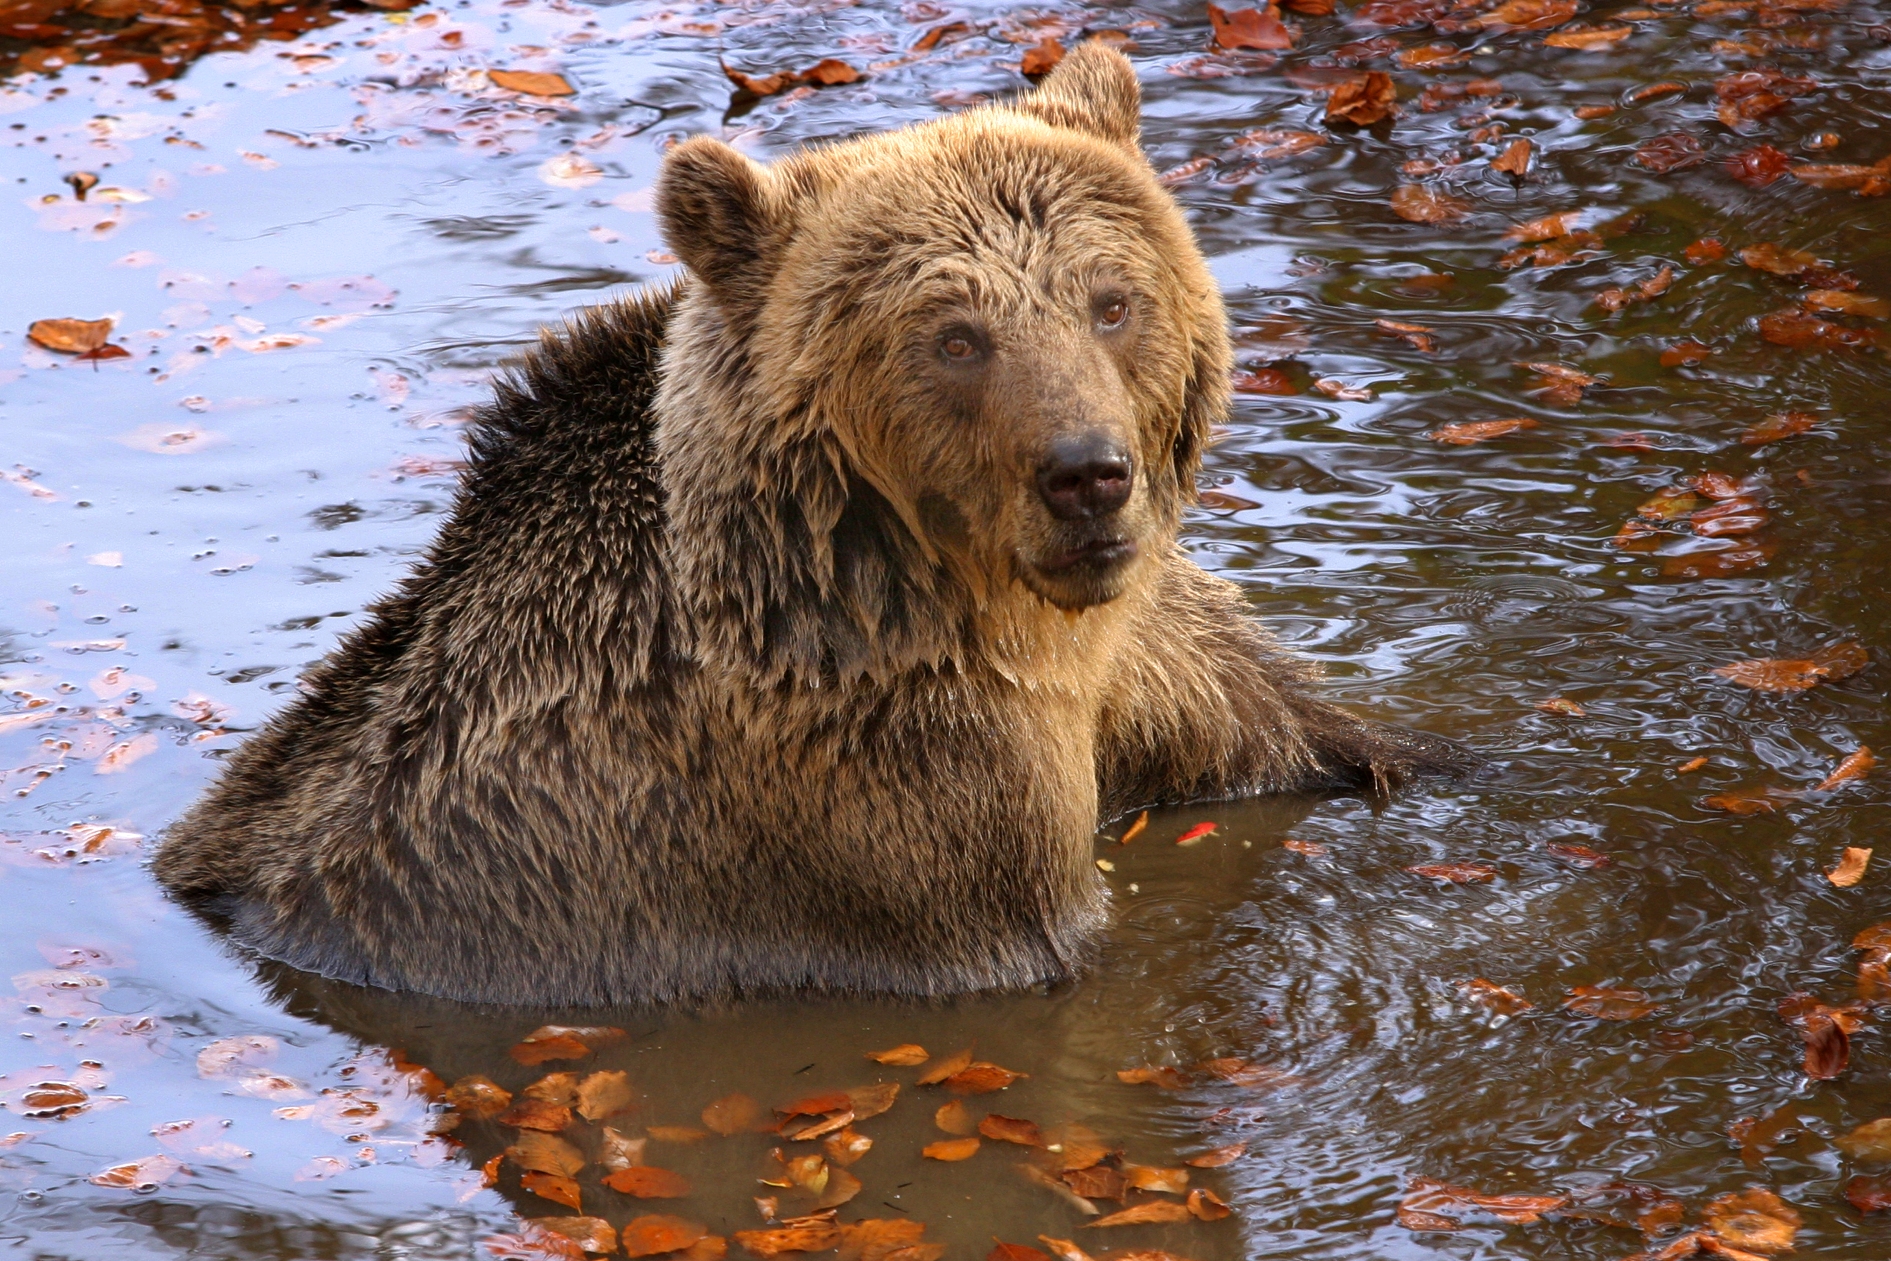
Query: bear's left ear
x=1093 y=89
x=719 y=213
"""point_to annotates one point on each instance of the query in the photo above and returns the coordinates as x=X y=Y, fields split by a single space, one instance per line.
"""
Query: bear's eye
x=958 y=347
x=1113 y=312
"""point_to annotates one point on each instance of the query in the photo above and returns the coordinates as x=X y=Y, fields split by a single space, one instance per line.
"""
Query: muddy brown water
x=189 y=527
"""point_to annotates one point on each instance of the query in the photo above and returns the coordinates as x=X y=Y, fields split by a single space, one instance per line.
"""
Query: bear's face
x=998 y=322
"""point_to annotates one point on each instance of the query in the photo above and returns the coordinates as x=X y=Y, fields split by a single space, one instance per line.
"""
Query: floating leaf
x=1578 y=855
x=1215 y=1158
x=603 y=1094
x=545 y=1153
x=1207 y=1206
x=1455 y=873
x=69 y=336
x=1600 y=1002
x=536 y=1114
x=1856 y=765
x=615 y=1151
x=593 y=1234
x=950 y=1149
x=1766 y=674
x=531 y=82
x=1163 y=1077
x=1422 y=204
x=1755 y=1219
x=1431 y=1202
x=1011 y=1130
x=648 y=1182
x=810 y=1236
x=981 y=1079
x=1140 y=1214
x=946 y=1067
x=1673 y=151
x=904 y=1055
x=559 y=1190
x=1851 y=867
x=1588 y=38
x=1495 y=998
x=1042 y=58
x=1259 y=29
x=1151 y=1178
x=138 y=1175
x=1362 y=99
x=1463 y=433
x=954 y=1118
x=827 y=73
x=563 y=1042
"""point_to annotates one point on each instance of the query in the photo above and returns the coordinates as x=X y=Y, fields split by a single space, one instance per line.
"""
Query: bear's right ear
x=719 y=214
x=1093 y=89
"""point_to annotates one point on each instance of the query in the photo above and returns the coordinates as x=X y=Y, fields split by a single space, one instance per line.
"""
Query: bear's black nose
x=1083 y=476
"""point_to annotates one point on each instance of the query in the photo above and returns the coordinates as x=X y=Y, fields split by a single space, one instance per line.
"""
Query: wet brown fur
x=735 y=669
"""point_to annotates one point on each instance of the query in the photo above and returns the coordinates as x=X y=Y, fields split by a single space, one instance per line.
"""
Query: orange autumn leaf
x=981 y=1078
x=1207 y=1206
x=1851 y=867
x=871 y=1101
x=1463 y=433
x=1755 y=1219
x=950 y=1149
x=1600 y=1002
x=559 y=1190
x=1142 y=1214
x=1311 y=849
x=847 y=1146
x=648 y=1182
x=1778 y=426
x=1455 y=873
x=954 y=1118
x=904 y=1055
x=1064 y=1249
x=545 y=1153
x=69 y=336
x=593 y=1234
x=477 y=1096
x=1219 y=1156
x=1766 y=674
x=564 y=1042
x=1514 y=160
x=1495 y=998
x=531 y=82
x=1259 y=29
x=946 y=1067
x=1097 y=1182
x=1856 y=765
x=656 y=1233
x=1151 y=1178
x=1526 y=15
x=1421 y=204
x=138 y=1175
x=536 y=1114
x=1042 y=58
x=1163 y=1077
x=1434 y=1205
x=811 y=1236
x=827 y=73
x=1587 y=38
x=879 y=1238
x=1011 y=1130
x=735 y=1114
x=816 y=1105
x=1363 y=99
x=1002 y=1251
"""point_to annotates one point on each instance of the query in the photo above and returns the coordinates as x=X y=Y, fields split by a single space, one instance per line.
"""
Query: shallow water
x=189 y=527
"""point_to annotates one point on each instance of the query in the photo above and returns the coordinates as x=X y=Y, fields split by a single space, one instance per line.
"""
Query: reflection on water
x=317 y=250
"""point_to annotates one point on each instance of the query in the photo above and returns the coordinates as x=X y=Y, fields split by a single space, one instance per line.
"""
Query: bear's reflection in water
x=1160 y=995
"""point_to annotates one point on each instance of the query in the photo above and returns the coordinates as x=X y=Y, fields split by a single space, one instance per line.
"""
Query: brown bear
x=795 y=625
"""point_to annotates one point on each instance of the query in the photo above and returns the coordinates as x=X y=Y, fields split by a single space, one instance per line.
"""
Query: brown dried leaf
x=1140 y=1214
x=648 y=1182
x=1064 y=1249
x=735 y=1114
x=1851 y=867
x=1514 y=160
x=1151 y=1178
x=615 y=1151
x=553 y=1187
x=1799 y=330
x=532 y=83
x=564 y=1042
x=1011 y=1130
x=1588 y=38
x=981 y=1078
x=536 y=1114
x=69 y=336
x=1495 y=998
x=1422 y=204
x=846 y=1147
x=1870 y=1141
x=815 y=1236
x=1162 y=1077
x=871 y=1101
x=656 y=1233
x=1673 y=151
x=878 y=1238
x=1097 y=1182
x=545 y=1153
x=1856 y=765
x=1455 y=873
x=592 y=1234
x=1754 y=1219
x=954 y=1118
x=904 y=1055
x=1362 y=99
x=1603 y=1003
x=1259 y=29
x=1430 y=1198
x=1526 y=15
x=1042 y=58
x=1869 y=1194
x=1207 y=1206
x=138 y=1175
x=1465 y=432
x=946 y=1067
x=1003 y=1251
x=1219 y=1156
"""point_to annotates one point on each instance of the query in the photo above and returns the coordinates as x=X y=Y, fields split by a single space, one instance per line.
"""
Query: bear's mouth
x=1104 y=553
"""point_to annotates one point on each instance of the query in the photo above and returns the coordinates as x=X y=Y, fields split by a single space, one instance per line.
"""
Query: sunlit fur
x=738 y=667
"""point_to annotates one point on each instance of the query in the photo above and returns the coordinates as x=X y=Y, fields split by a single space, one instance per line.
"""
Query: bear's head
x=934 y=381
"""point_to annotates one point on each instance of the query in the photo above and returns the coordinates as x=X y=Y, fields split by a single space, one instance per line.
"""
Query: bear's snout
x=1084 y=477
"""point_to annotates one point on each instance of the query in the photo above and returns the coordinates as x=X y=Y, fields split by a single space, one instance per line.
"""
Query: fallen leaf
x=1164 y=1077
x=1759 y=166
x=1706 y=250
x=1799 y=330
x=1362 y=99
x=1833 y=300
x=1755 y=1219
x=816 y=1105
x=1778 y=426
x=1261 y=381
x=1870 y=1141
x=592 y=1234
x=846 y=1147
x=1064 y=1249
x=1856 y=765
x=1340 y=390
x=878 y=1238
x=1766 y=674
x=648 y=1182
x=808 y=1237
x=1097 y=1182
x=1587 y=38
x=1558 y=383
x=946 y=1067
x=1139 y=1214
x=1515 y=159
x=1600 y=1002
x=1215 y=1158
x=1526 y=15
x=1562 y=705
x=603 y=1094
x=950 y=1149
x=1042 y=58
x=954 y=1118
x=1744 y=801
x=871 y=1101
x=1259 y=29
x=1311 y=849
x=904 y=1055
x=1430 y=1202
x=563 y=1042
x=545 y=1153
x=841 y=1187
x=1547 y=228
x=69 y=336
x=1690 y=766
x=1422 y=204
x=235 y=1057
x=735 y=1114
x=981 y=1078
x=1207 y=1206
x=1673 y=151
x=1011 y=1130
x=1455 y=873
x=1151 y=1178
x=681 y=1133
x=1869 y=1194
x=1463 y=433
x=1827 y=1032
x=478 y=1096
x=827 y=73
x=536 y=1114
x=615 y=1151
x=1494 y=997
x=559 y=1190
x=1003 y=1251
x=532 y=82
x=1851 y=867
x=1578 y=855
x=138 y=1175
